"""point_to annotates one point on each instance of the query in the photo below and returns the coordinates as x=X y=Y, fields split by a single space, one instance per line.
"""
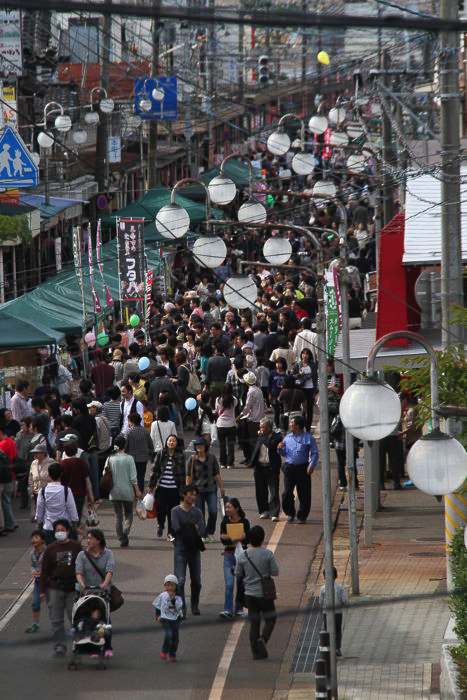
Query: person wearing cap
x=169 y=612
x=252 y=413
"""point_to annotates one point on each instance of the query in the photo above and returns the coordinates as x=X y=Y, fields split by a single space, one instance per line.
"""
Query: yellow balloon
x=323 y=58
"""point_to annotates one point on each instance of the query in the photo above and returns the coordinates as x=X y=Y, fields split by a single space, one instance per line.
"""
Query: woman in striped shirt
x=167 y=480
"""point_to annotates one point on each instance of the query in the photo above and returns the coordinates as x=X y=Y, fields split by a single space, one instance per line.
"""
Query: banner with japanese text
x=332 y=315
x=131 y=269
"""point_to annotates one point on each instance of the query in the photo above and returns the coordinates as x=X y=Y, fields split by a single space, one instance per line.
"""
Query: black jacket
x=178 y=468
x=271 y=441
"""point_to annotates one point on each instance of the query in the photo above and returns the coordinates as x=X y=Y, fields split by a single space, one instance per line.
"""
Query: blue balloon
x=190 y=404
x=143 y=363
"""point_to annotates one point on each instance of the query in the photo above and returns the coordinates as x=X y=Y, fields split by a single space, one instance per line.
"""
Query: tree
x=13 y=228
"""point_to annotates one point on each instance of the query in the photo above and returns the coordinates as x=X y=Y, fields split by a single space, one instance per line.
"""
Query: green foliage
x=14 y=227
x=458 y=601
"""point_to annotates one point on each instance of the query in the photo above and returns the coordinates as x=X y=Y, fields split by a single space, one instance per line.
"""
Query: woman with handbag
x=166 y=481
x=206 y=424
x=120 y=474
x=306 y=377
x=161 y=428
x=234 y=536
x=94 y=569
x=256 y=566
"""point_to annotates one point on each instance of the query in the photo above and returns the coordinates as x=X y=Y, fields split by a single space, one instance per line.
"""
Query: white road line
x=17 y=605
x=225 y=662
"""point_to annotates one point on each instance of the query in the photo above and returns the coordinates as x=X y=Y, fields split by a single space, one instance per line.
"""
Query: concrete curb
x=449 y=688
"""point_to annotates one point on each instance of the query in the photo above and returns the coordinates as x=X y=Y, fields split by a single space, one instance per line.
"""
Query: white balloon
x=277 y=251
x=252 y=212
x=437 y=464
x=222 y=190
x=172 y=221
x=278 y=143
x=240 y=292
x=318 y=125
x=209 y=251
x=303 y=163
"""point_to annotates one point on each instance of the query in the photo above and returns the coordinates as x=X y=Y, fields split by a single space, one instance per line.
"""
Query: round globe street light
x=63 y=123
x=437 y=464
x=356 y=163
x=222 y=190
x=278 y=142
x=252 y=212
x=303 y=163
x=79 y=136
x=172 y=221
x=318 y=124
x=209 y=251
x=240 y=292
x=106 y=104
x=369 y=409
x=324 y=189
x=45 y=139
x=338 y=138
x=92 y=118
x=277 y=250
x=337 y=115
x=158 y=93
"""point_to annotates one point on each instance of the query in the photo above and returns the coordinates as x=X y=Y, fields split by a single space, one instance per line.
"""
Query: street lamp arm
x=416 y=338
x=237 y=156
x=194 y=181
x=47 y=111
x=97 y=88
x=291 y=115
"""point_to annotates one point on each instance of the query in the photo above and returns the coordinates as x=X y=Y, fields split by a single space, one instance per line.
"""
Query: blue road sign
x=164 y=109
x=17 y=168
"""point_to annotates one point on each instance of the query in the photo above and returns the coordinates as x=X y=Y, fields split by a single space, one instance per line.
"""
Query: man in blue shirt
x=300 y=453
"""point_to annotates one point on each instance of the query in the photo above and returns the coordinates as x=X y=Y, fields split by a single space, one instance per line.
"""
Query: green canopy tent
x=57 y=303
x=18 y=333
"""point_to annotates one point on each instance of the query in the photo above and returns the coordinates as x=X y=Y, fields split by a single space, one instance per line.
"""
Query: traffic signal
x=263 y=70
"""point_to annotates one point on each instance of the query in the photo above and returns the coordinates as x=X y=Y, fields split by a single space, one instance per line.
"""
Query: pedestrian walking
x=252 y=413
x=75 y=475
x=341 y=599
x=226 y=424
x=169 y=612
x=140 y=446
x=7 y=481
x=23 y=459
x=255 y=566
x=37 y=552
x=55 y=502
x=124 y=489
x=38 y=473
x=235 y=528
x=300 y=453
x=161 y=428
x=266 y=462
x=57 y=581
x=167 y=481
x=203 y=472
x=188 y=528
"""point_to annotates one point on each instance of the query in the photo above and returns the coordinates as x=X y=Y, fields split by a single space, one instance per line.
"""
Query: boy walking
x=169 y=612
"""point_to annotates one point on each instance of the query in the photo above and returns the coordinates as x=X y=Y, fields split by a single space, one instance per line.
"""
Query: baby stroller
x=90 y=627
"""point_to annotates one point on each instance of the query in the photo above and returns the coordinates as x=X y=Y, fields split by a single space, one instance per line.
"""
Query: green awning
x=57 y=303
x=20 y=333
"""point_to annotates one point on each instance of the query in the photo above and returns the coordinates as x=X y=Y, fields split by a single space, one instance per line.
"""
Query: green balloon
x=270 y=200
x=102 y=339
x=134 y=320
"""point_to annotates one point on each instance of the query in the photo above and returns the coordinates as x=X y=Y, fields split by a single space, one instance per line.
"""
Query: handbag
x=107 y=481
x=267 y=582
x=116 y=599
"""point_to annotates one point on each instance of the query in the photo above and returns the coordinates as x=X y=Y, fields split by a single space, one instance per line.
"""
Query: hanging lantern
x=240 y=292
x=172 y=221
x=437 y=464
x=337 y=115
x=325 y=189
x=370 y=410
x=278 y=143
x=318 y=125
x=209 y=251
x=303 y=163
x=252 y=212
x=222 y=190
x=277 y=251
x=356 y=163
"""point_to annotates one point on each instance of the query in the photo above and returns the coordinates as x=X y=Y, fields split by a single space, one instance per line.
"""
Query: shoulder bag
x=267 y=582
x=106 y=483
x=116 y=599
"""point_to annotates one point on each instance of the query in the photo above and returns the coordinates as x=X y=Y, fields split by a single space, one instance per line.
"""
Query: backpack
x=194 y=385
x=66 y=493
x=5 y=469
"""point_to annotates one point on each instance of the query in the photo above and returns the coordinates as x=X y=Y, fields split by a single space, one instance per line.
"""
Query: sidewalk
x=391 y=650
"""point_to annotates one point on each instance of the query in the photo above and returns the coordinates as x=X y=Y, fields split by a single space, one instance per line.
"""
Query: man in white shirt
x=20 y=404
x=306 y=338
x=129 y=405
x=55 y=502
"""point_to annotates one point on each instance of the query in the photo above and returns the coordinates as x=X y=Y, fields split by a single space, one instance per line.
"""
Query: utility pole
x=241 y=56
x=211 y=83
x=388 y=150
x=153 y=175
x=102 y=133
x=304 y=50
x=451 y=254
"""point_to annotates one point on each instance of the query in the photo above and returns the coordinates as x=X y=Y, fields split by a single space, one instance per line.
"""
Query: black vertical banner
x=130 y=241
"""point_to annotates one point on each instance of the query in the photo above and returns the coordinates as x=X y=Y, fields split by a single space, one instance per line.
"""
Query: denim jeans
x=7 y=494
x=123 y=518
x=208 y=499
x=93 y=464
x=58 y=603
x=229 y=580
x=227 y=445
x=36 y=596
x=182 y=559
x=170 y=643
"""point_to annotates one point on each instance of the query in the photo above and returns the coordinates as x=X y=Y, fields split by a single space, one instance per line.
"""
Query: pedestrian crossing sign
x=17 y=168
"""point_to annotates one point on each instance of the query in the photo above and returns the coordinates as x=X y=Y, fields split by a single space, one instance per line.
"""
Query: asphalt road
x=29 y=670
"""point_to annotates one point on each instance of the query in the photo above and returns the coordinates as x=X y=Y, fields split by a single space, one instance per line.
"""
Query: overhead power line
x=290 y=18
